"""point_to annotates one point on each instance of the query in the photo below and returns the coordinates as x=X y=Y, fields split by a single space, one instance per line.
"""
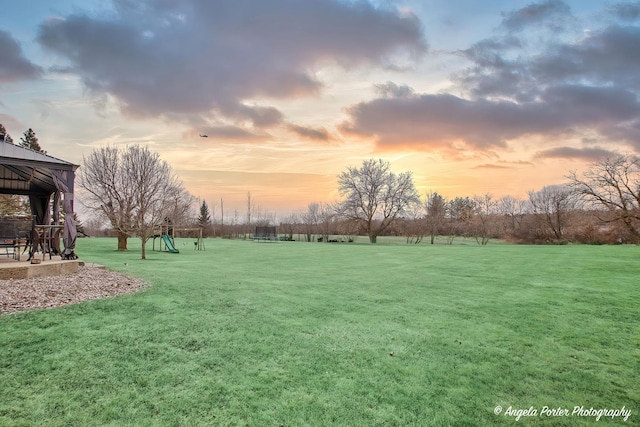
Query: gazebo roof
x=24 y=171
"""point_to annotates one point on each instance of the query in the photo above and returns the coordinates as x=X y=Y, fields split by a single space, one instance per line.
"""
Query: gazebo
x=40 y=176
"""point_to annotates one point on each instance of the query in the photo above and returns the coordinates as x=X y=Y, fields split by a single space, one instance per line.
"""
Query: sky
x=473 y=97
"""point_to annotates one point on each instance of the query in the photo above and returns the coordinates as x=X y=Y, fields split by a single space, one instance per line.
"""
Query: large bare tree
x=553 y=206
x=375 y=196
x=613 y=183
x=133 y=188
x=157 y=187
x=109 y=191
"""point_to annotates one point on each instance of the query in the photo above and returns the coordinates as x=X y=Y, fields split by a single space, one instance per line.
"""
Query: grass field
x=296 y=334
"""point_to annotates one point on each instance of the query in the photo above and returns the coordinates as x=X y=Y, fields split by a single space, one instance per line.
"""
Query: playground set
x=166 y=233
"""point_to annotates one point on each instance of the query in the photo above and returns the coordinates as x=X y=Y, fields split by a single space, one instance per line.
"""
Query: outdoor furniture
x=14 y=245
x=46 y=236
x=12 y=235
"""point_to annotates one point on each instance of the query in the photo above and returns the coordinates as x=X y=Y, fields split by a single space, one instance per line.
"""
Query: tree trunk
x=373 y=238
x=433 y=238
x=144 y=248
x=122 y=241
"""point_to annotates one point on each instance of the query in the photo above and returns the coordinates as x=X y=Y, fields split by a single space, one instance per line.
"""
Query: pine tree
x=30 y=140
x=4 y=135
x=204 y=220
x=13 y=204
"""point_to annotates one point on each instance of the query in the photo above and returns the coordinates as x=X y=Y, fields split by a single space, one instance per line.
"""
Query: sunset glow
x=474 y=97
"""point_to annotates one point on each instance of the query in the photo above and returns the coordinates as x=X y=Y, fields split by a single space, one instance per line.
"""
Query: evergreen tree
x=204 y=219
x=30 y=140
x=13 y=204
x=4 y=135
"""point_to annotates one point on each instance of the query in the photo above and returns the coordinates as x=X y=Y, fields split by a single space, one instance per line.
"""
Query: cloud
x=392 y=90
x=319 y=134
x=13 y=65
x=605 y=57
x=625 y=11
x=441 y=120
x=590 y=154
x=519 y=85
x=552 y=14
x=438 y=120
x=491 y=166
x=518 y=67
x=211 y=57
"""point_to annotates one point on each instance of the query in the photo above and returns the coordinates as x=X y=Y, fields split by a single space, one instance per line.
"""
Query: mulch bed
x=54 y=291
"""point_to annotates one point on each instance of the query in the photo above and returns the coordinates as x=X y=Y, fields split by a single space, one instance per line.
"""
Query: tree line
x=600 y=206
x=134 y=190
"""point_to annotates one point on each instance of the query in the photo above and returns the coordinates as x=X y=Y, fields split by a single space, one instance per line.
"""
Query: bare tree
x=157 y=187
x=484 y=210
x=414 y=222
x=134 y=189
x=436 y=208
x=251 y=207
x=375 y=196
x=311 y=218
x=326 y=219
x=288 y=225
x=512 y=211
x=460 y=214
x=109 y=191
x=553 y=205
x=613 y=183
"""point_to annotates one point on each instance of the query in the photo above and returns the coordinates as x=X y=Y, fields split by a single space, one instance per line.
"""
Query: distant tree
x=4 y=135
x=288 y=225
x=375 y=196
x=513 y=211
x=13 y=204
x=613 y=183
x=414 y=223
x=485 y=208
x=460 y=214
x=310 y=219
x=30 y=140
x=436 y=212
x=553 y=205
x=95 y=226
x=204 y=218
x=133 y=188
x=250 y=207
x=326 y=220
x=179 y=209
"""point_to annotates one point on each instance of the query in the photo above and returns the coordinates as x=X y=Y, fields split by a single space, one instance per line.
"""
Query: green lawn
x=295 y=334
